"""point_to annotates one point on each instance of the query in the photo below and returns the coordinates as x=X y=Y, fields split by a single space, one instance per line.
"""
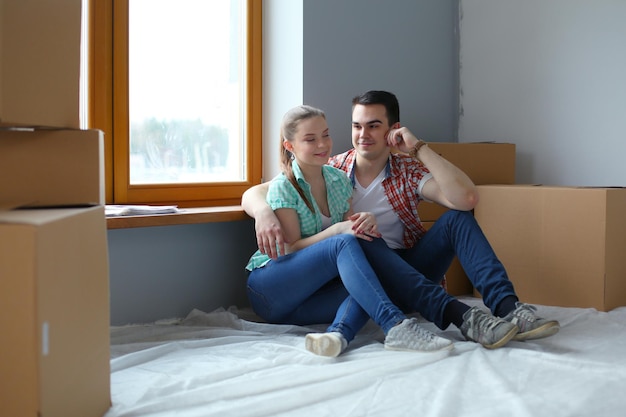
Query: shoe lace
x=420 y=331
x=526 y=312
x=485 y=322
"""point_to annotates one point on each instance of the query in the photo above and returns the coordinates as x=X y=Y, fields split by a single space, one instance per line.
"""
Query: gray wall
x=548 y=76
x=166 y=271
x=408 y=47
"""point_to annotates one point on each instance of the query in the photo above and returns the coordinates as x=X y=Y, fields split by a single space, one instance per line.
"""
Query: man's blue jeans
x=304 y=288
x=412 y=277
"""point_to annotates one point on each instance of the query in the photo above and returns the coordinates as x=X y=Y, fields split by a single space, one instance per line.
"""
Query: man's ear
x=396 y=125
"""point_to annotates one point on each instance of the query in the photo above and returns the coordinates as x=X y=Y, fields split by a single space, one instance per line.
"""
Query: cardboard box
x=561 y=246
x=41 y=59
x=51 y=168
x=457 y=282
x=54 y=313
x=483 y=162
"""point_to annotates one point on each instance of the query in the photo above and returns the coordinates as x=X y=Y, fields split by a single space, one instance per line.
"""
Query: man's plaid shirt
x=403 y=180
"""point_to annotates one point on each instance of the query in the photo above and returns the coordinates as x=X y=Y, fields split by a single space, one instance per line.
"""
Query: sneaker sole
x=507 y=337
x=322 y=345
x=442 y=349
x=546 y=330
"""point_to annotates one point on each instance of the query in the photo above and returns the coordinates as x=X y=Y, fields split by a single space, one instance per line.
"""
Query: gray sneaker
x=325 y=344
x=409 y=335
x=490 y=331
x=530 y=326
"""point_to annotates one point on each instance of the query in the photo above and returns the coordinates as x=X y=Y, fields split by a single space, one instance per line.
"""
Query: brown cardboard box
x=456 y=280
x=51 y=167
x=483 y=162
x=40 y=55
x=54 y=313
x=561 y=246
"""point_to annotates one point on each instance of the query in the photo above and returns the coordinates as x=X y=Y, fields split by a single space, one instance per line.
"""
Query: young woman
x=324 y=276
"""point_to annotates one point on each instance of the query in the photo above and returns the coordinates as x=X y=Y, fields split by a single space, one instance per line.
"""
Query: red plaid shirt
x=401 y=183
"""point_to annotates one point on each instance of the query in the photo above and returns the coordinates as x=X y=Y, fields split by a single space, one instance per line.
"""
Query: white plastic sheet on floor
x=224 y=364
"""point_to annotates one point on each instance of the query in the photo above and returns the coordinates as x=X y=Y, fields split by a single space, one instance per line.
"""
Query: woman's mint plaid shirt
x=282 y=194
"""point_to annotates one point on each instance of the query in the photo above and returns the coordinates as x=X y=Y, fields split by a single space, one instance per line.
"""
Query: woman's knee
x=344 y=239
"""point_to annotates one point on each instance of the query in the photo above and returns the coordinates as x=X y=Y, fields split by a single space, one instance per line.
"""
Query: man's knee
x=457 y=218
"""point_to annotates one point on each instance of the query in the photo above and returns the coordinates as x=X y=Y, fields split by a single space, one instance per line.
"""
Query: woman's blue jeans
x=412 y=277
x=330 y=281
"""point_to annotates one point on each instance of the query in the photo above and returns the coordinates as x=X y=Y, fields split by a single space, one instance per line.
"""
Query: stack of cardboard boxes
x=54 y=275
x=54 y=280
x=561 y=246
x=54 y=271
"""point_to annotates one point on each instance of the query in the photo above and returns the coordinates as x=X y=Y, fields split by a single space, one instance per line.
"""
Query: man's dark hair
x=385 y=98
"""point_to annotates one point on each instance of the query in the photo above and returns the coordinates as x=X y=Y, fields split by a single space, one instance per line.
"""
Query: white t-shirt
x=373 y=199
x=326 y=221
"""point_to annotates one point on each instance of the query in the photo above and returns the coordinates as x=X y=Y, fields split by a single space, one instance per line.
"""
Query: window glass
x=186 y=91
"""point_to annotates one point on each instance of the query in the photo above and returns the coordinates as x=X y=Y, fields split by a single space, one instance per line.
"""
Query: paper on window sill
x=136 y=210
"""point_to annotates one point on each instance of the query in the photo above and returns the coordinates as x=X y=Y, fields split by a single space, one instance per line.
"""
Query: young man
x=409 y=261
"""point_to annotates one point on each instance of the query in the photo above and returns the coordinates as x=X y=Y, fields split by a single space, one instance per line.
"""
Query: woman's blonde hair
x=288 y=129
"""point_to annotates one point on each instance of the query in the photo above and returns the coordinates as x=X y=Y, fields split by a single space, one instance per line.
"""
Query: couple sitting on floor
x=340 y=240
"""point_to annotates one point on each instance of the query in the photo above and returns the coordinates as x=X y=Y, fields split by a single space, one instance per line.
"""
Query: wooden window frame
x=108 y=111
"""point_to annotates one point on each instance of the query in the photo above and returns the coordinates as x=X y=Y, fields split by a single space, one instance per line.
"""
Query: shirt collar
x=299 y=176
x=353 y=164
x=297 y=172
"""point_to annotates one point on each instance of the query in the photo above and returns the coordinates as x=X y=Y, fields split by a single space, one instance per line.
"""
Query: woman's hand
x=364 y=225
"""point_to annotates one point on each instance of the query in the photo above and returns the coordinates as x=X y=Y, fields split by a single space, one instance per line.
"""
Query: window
x=176 y=87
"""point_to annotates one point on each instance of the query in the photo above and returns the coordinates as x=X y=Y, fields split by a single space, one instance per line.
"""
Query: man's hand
x=402 y=139
x=269 y=233
x=270 y=236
